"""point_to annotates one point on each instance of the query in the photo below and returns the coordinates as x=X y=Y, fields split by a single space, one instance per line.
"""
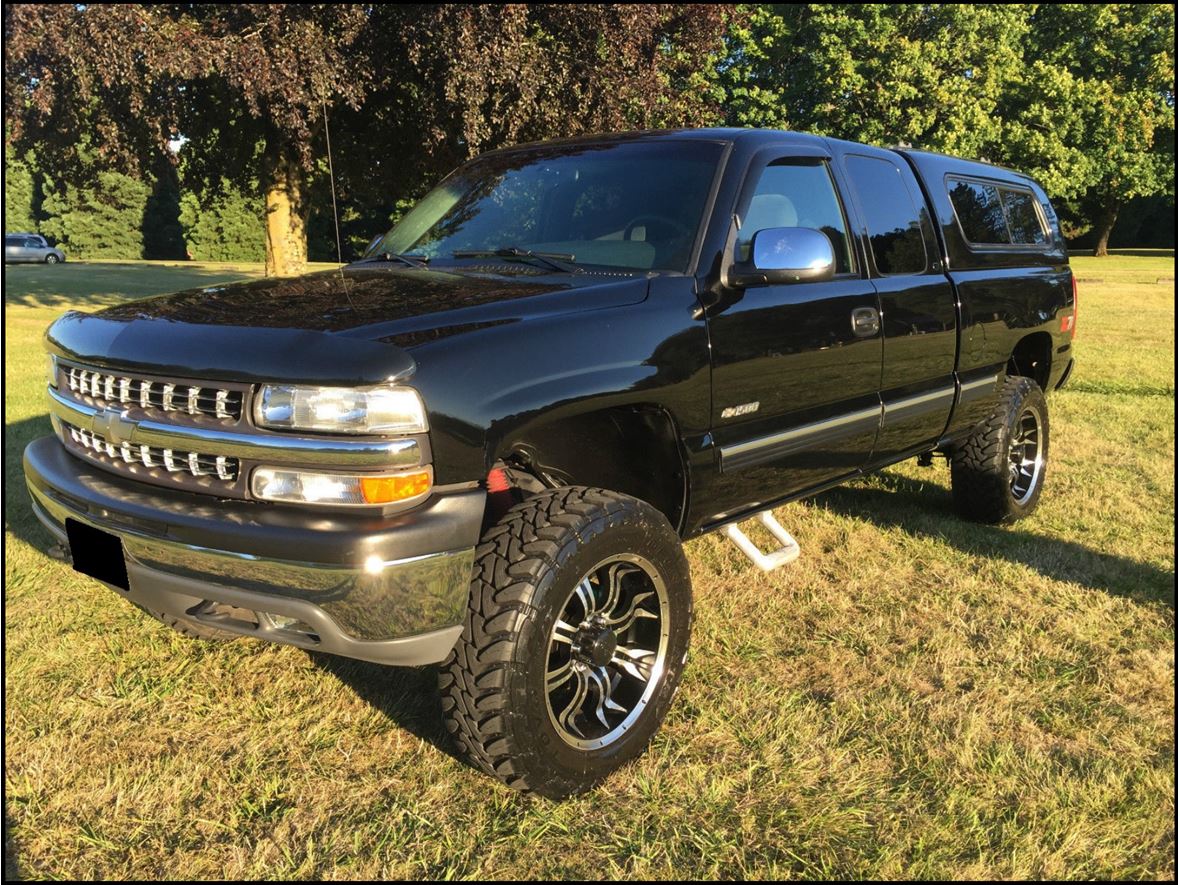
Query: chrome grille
x=174 y=461
x=107 y=389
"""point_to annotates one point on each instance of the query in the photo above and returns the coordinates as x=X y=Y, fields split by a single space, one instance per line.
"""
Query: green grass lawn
x=916 y=697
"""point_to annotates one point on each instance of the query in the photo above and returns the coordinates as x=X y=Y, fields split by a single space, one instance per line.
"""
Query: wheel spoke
x=566 y=717
x=563 y=632
x=634 y=662
x=602 y=683
x=554 y=679
x=585 y=594
x=620 y=624
x=614 y=580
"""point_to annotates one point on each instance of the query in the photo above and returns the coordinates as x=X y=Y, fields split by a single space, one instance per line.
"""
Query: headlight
x=51 y=370
x=340 y=409
x=313 y=487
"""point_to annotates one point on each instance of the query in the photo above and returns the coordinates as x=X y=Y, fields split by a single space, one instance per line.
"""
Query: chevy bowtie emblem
x=113 y=426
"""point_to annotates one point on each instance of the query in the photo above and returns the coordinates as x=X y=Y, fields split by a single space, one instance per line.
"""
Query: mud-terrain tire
x=551 y=706
x=997 y=474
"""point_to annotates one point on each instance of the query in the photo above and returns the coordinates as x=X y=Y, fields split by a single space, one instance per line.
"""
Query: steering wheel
x=642 y=220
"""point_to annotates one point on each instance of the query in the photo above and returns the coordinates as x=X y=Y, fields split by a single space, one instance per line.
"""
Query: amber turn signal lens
x=387 y=489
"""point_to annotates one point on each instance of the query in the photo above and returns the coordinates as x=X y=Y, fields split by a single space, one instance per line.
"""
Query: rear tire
x=576 y=637
x=997 y=474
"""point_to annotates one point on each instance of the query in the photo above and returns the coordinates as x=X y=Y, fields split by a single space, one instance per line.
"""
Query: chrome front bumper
x=388 y=590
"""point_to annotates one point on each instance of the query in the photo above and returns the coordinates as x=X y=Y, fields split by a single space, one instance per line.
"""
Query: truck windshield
x=635 y=205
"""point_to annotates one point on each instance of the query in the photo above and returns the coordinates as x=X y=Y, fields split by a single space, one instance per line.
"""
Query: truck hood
x=350 y=327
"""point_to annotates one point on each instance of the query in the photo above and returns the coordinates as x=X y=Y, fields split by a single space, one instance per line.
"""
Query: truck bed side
x=1015 y=300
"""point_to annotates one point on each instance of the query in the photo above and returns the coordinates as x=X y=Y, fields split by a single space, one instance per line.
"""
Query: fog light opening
x=374 y=564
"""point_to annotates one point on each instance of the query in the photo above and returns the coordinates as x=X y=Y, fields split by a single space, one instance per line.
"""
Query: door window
x=797 y=193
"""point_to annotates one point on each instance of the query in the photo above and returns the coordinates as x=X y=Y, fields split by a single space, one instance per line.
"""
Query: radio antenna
x=332 y=178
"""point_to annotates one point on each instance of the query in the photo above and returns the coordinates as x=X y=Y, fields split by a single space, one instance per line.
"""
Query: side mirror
x=787 y=255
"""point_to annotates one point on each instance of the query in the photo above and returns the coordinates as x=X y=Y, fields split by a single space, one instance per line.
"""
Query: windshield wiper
x=411 y=260
x=556 y=260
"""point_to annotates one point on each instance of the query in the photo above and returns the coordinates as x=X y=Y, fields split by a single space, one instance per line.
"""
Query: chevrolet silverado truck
x=482 y=445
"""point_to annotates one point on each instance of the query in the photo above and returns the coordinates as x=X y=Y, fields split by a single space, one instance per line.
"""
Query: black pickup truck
x=482 y=444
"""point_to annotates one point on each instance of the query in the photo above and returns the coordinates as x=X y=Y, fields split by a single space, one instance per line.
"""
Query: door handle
x=866 y=322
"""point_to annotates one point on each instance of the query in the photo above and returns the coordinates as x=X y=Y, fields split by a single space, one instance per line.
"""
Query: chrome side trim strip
x=980 y=387
x=272 y=447
x=911 y=406
x=778 y=445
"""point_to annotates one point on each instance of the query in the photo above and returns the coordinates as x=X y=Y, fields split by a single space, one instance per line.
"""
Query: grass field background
x=916 y=697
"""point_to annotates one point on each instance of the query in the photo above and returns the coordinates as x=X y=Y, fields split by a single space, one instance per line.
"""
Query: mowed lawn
x=916 y=697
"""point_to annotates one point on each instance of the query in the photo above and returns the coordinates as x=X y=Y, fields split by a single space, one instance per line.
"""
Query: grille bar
x=174 y=461
x=106 y=389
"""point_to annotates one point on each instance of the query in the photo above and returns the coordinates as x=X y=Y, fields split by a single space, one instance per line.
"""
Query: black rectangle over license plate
x=97 y=553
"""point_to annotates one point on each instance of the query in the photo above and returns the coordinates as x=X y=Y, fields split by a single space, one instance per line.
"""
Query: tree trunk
x=286 y=212
x=1105 y=225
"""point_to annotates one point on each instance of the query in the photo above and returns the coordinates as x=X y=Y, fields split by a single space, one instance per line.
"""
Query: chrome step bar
x=784 y=555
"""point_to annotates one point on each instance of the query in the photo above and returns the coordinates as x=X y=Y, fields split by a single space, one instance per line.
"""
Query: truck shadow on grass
x=926 y=510
x=407 y=696
x=11 y=851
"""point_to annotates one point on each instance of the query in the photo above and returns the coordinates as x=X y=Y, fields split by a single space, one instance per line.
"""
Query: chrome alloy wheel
x=1026 y=456
x=607 y=651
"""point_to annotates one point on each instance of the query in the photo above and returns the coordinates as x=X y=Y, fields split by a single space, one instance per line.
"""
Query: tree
x=1094 y=116
x=924 y=74
x=223 y=224
x=450 y=81
x=228 y=76
x=19 y=193
x=102 y=218
x=163 y=236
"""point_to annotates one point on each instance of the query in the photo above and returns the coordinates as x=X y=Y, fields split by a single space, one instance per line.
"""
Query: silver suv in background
x=19 y=248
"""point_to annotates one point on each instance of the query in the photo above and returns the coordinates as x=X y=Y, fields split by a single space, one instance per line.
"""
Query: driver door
x=796 y=383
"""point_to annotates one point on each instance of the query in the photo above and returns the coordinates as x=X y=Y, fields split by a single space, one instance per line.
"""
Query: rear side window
x=1023 y=221
x=991 y=215
x=893 y=219
x=980 y=214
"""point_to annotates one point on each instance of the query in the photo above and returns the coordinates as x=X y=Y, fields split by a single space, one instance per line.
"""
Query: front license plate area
x=97 y=553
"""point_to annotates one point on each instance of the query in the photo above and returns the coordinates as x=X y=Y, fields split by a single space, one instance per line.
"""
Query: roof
x=715 y=134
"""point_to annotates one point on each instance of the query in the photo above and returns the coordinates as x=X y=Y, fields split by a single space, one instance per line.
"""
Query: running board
x=784 y=555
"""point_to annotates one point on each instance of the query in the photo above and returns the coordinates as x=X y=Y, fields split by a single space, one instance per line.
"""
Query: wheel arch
x=633 y=449
x=1032 y=357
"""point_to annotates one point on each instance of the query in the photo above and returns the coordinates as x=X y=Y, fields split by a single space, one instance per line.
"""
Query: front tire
x=51 y=259
x=997 y=474
x=576 y=636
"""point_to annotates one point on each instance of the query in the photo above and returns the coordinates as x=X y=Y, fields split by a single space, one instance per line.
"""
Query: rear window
x=996 y=216
x=895 y=227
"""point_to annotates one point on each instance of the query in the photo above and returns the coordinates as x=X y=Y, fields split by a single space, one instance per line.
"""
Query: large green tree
x=1093 y=114
x=20 y=210
x=450 y=81
x=102 y=218
x=443 y=82
x=228 y=76
x=924 y=74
